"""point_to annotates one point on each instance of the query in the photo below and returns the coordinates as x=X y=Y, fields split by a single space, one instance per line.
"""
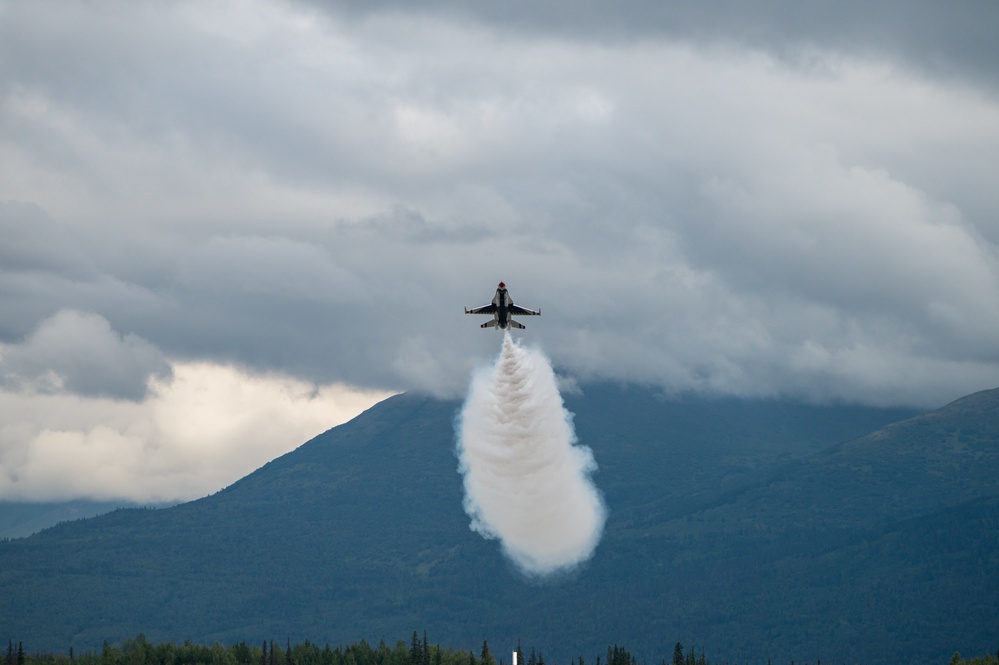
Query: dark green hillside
x=683 y=453
x=906 y=470
x=892 y=535
x=757 y=527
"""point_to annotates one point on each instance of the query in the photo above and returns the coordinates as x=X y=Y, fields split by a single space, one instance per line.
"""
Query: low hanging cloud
x=197 y=431
x=527 y=481
x=79 y=353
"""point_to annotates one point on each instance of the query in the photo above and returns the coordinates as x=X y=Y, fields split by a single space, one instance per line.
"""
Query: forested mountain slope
x=756 y=527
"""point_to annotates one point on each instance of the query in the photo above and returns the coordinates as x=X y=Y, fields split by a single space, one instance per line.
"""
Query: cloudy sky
x=226 y=226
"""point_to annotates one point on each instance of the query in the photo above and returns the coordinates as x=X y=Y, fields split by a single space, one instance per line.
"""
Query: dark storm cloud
x=765 y=201
x=944 y=38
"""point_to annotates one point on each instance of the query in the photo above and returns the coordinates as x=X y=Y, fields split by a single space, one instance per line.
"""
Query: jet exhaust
x=527 y=481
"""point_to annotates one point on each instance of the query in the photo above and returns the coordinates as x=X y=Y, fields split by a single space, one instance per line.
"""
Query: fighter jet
x=502 y=308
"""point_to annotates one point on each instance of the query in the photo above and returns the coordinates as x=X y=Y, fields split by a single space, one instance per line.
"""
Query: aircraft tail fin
x=516 y=324
x=489 y=324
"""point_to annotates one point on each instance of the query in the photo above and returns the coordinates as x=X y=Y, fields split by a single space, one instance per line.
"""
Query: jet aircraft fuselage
x=502 y=310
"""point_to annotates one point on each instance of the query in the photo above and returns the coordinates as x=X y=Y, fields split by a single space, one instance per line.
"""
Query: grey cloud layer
x=945 y=39
x=79 y=353
x=294 y=190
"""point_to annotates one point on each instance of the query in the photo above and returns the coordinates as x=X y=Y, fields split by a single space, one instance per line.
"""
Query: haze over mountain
x=757 y=528
x=19 y=519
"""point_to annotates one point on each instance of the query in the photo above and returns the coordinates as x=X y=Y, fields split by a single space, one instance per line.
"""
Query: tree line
x=139 y=651
x=419 y=651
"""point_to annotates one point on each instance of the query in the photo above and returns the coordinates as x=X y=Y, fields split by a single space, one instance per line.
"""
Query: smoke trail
x=526 y=482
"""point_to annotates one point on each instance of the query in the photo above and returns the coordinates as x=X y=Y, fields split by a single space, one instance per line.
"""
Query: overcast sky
x=228 y=225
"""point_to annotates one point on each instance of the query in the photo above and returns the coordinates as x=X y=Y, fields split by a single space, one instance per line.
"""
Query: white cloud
x=194 y=434
x=79 y=353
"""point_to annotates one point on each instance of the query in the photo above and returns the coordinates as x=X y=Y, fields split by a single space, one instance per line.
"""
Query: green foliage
x=139 y=651
x=988 y=659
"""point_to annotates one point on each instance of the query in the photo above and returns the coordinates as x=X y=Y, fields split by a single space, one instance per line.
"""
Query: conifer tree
x=678 y=654
x=415 y=651
x=425 y=651
x=20 y=653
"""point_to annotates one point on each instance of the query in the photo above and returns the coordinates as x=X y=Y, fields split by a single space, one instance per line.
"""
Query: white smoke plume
x=527 y=483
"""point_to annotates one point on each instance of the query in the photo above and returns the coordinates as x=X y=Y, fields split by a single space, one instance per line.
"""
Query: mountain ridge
x=360 y=533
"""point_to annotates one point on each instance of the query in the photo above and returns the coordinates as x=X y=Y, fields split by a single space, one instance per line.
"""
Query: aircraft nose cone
x=502 y=285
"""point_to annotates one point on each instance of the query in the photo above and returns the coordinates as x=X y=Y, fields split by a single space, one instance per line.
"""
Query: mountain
x=884 y=547
x=756 y=528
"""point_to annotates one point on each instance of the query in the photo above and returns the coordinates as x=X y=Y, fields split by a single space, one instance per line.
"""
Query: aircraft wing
x=516 y=310
x=485 y=309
